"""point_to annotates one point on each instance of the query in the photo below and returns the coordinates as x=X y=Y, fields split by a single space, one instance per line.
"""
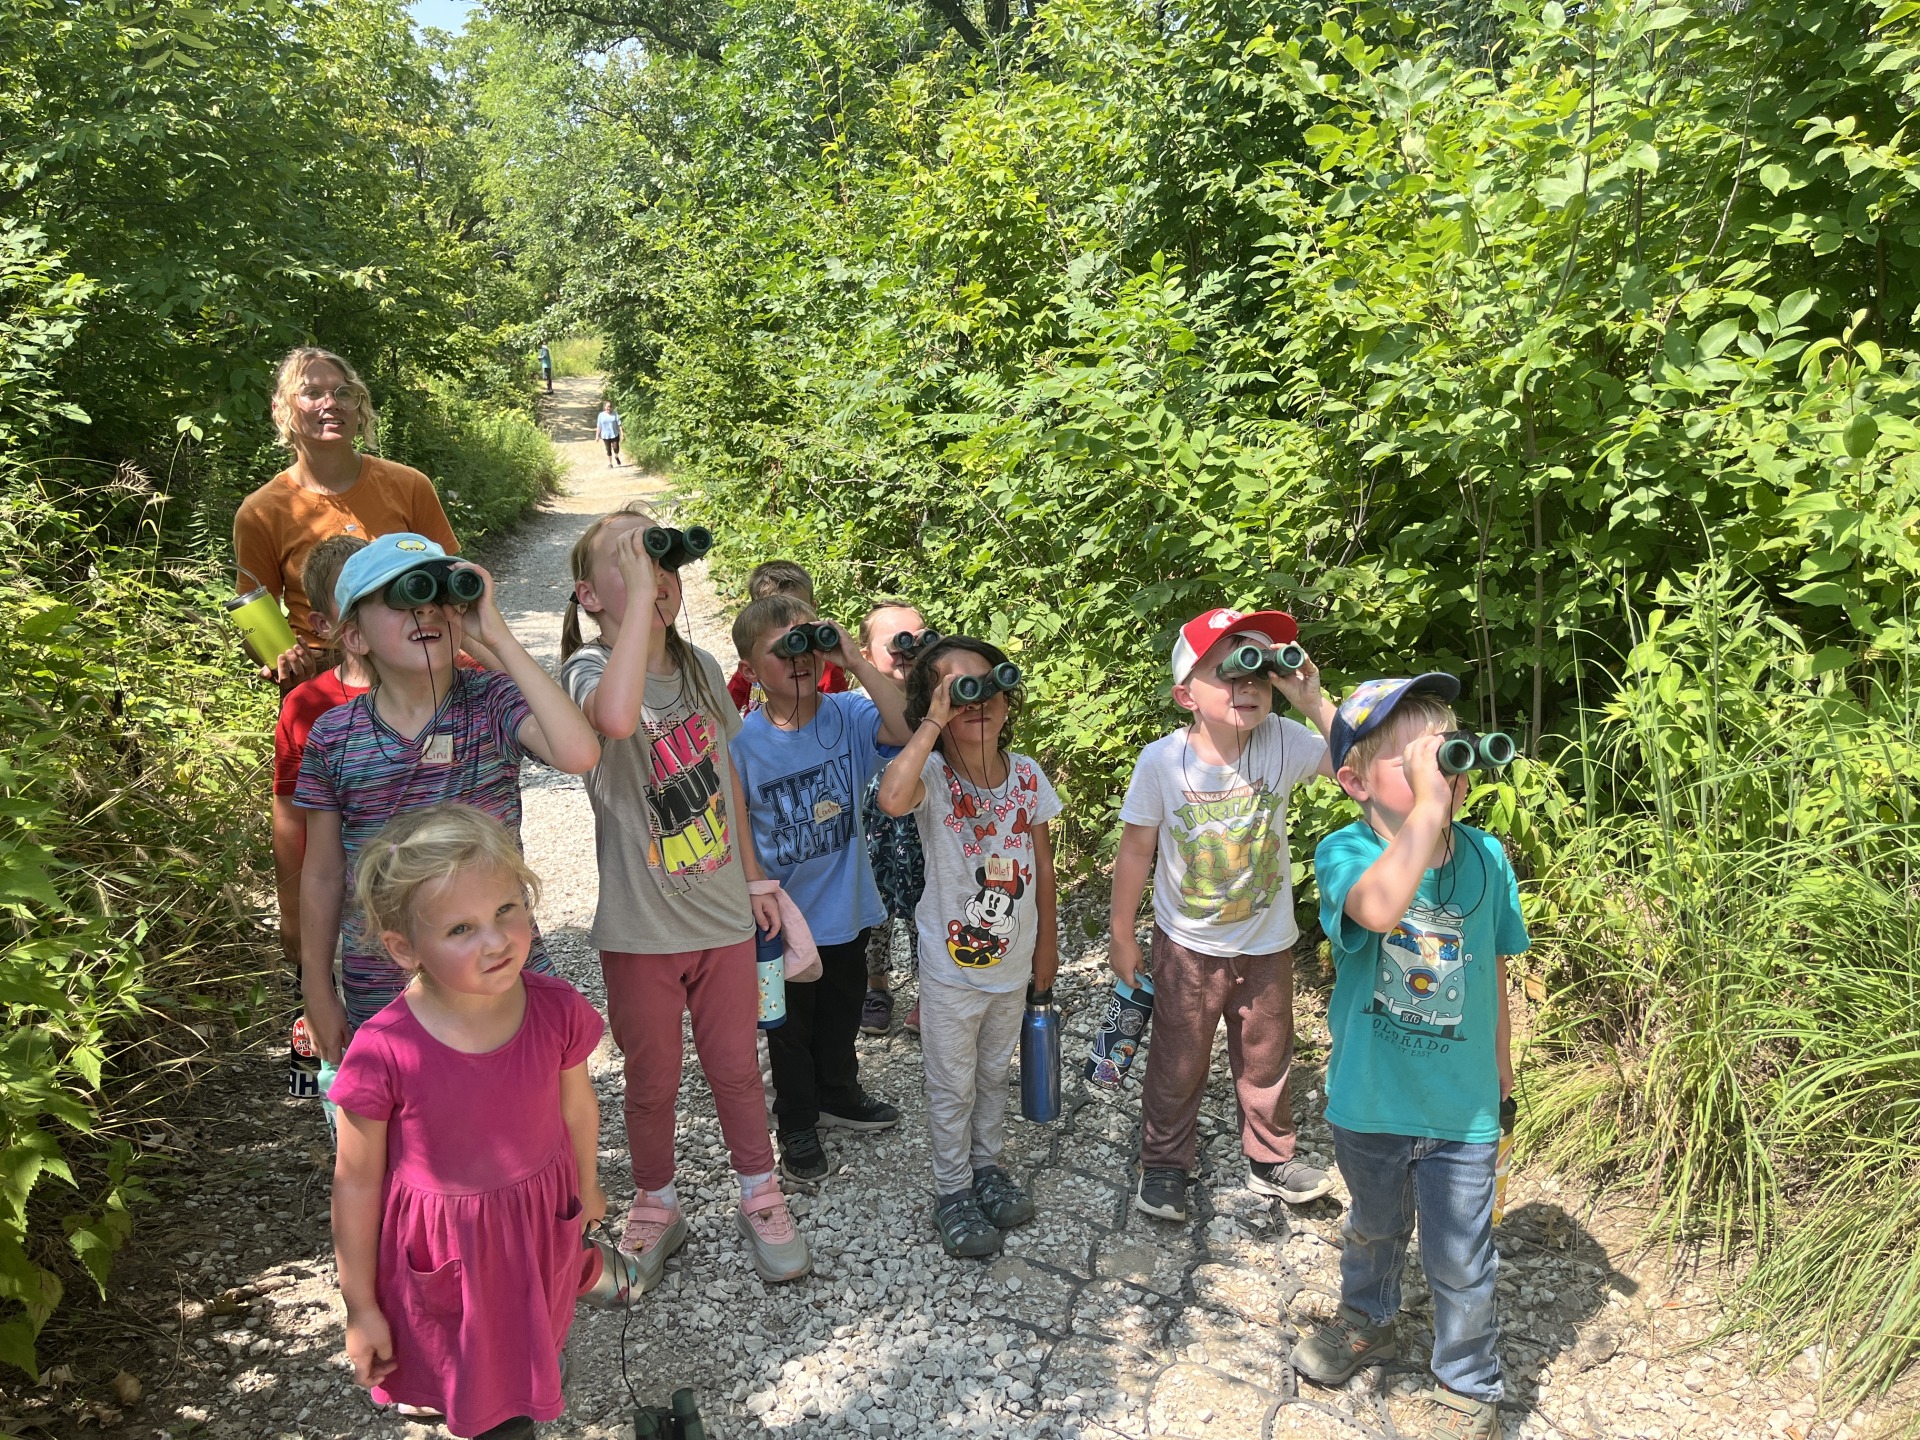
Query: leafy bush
x=131 y=832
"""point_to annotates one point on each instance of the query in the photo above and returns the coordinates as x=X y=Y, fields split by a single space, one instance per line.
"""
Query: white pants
x=966 y=1045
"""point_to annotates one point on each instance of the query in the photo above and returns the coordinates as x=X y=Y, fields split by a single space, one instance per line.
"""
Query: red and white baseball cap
x=1200 y=634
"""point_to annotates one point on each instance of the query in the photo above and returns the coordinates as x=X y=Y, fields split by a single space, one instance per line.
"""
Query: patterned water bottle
x=770 y=960
x=1122 y=1028
x=1040 y=1058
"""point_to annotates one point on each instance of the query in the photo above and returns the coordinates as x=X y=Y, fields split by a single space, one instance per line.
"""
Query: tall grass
x=1735 y=1020
x=576 y=355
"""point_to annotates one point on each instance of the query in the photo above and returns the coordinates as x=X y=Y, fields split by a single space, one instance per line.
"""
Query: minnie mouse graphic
x=983 y=937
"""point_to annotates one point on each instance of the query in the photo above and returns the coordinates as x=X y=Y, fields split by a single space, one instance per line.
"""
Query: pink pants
x=646 y=996
x=1192 y=993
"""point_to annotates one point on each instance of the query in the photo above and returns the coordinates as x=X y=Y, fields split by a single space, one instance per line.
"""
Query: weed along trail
x=1096 y=1322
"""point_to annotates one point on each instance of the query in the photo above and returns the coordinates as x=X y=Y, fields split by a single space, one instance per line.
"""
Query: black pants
x=612 y=442
x=518 y=1428
x=812 y=1054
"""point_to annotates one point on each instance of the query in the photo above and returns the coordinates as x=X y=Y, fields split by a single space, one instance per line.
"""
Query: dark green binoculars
x=672 y=548
x=906 y=644
x=433 y=582
x=1251 y=659
x=798 y=641
x=1463 y=750
x=972 y=689
x=678 y=1421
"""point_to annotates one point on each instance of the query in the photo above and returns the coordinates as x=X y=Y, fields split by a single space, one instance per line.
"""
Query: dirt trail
x=1096 y=1322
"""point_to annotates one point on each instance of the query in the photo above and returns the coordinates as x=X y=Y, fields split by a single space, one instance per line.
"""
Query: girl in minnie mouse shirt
x=986 y=925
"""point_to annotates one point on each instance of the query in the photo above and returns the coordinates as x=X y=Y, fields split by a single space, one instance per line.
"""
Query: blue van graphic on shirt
x=1421 y=977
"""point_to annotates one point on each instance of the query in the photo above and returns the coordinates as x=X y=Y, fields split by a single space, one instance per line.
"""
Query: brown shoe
x=1463 y=1418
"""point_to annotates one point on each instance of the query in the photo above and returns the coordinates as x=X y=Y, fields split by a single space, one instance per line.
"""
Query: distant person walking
x=610 y=432
x=546 y=366
x=335 y=486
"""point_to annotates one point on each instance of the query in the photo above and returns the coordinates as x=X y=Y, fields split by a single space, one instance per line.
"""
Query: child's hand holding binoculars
x=940 y=706
x=489 y=625
x=1300 y=687
x=635 y=564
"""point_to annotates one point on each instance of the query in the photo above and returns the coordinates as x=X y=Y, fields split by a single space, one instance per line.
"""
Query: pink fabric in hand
x=803 y=956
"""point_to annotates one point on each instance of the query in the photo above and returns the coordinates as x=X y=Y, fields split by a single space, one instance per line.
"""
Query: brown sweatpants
x=1192 y=993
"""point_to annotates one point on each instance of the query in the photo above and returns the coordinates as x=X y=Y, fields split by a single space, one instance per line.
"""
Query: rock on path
x=1096 y=1322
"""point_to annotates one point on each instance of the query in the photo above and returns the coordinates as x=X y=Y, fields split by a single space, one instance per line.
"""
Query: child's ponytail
x=570 y=640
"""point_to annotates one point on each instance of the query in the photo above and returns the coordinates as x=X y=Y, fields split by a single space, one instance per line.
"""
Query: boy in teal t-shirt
x=1420 y=911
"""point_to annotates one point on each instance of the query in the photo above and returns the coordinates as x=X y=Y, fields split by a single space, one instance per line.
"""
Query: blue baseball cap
x=384 y=559
x=1368 y=705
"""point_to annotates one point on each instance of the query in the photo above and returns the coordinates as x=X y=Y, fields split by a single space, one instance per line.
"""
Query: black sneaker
x=1293 y=1181
x=801 y=1157
x=1162 y=1194
x=1000 y=1200
x=876 y=1013
x=965 y=1233
x=858 y=1111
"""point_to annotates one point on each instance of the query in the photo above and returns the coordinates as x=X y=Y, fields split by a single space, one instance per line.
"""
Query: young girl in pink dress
x=466 y=1173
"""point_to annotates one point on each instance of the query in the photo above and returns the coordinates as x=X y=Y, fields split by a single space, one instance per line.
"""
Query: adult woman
x=334 y=487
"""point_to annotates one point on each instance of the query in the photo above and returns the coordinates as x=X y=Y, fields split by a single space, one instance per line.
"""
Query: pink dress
x=481 y=1256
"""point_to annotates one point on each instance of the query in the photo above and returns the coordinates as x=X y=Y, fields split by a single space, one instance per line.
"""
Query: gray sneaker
x=1465 y=1418
x=779 y=1251
x=1335 y=1350
x=1004 y=1203
x=1293 y=1181
x=1162 y=1193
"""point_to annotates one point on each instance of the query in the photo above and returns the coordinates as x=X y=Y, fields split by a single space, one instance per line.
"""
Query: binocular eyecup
x=1252 y=659
x=671 y=548
x=433 y=582
x=973 y=689
x=1464 y=750
x=798 y=641
x=906 y=644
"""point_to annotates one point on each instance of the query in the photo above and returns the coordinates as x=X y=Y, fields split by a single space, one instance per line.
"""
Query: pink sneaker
x=779 y=1252
x=653 y=1233
x=913 y=1018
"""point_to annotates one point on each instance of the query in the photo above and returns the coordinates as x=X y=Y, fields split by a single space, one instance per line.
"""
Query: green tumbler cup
x=262 y=624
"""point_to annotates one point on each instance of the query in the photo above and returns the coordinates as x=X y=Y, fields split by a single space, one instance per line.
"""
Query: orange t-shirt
x=281 y=521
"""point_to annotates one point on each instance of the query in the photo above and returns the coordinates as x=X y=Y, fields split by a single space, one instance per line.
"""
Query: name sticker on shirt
x=999 y=869
x=439 y=750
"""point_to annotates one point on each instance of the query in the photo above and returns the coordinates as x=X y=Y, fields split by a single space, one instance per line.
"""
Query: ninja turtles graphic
x=1231 y=854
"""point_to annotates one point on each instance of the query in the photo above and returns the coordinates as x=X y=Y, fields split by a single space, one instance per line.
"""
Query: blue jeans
x=1448 y=1186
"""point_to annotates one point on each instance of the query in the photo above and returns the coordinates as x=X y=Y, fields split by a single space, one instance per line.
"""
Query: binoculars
x=431 y=581
x=672 y=548
x=1251 y=659
x=972 y=689
x=798 y=641
x=1463 y=750
x=679 y=1420
x=906 y=644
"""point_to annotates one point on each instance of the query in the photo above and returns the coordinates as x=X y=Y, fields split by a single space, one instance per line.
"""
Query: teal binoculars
x=1251 y=659
x=1463 y=750
x=672 y=548
x=906 y=644
x=433 y=581
x=798 y=641
x=973 y=689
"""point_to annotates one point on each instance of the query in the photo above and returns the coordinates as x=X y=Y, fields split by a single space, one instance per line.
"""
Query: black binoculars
x=906 y=644
x=1463 y=750
x=972 y=689
x=1251 y=659
x=798 y=641
x=433 y=581
x=678 y=1421
x=672 y=548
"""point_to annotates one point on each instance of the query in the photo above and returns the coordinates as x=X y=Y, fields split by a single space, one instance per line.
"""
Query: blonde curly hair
x=424 y=847
x=288 y=378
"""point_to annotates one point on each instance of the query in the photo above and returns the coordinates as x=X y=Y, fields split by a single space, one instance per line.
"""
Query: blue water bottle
x=1129 y=1009
x=770 y=959
x=1040 y=1058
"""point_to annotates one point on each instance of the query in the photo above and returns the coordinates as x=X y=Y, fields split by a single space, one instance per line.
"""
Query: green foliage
x=130 y=829
x=1468 y=336
x=577 y=355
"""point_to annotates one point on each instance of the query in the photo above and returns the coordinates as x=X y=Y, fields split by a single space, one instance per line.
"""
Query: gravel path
x=1096 y=1323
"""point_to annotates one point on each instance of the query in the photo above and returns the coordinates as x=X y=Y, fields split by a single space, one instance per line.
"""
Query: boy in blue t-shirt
x=803 y=758
x=1421 y=912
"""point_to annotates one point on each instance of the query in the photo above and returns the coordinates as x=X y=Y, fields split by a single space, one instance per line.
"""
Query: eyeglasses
x=344 y=396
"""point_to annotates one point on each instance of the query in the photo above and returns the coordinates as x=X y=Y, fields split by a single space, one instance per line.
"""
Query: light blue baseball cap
x=384 y=559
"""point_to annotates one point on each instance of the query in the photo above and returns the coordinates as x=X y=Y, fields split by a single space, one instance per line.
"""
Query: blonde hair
x=866 y=625
x=286 y=384
x=580 y=566
x=425 y=847
x=1429 y=710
